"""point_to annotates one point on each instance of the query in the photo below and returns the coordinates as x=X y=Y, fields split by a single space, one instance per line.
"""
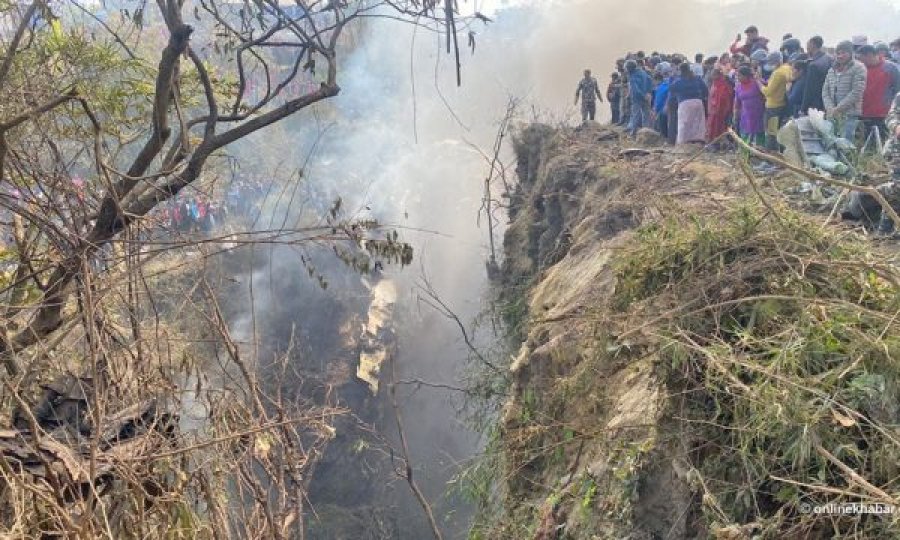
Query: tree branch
x=404 y=446
x=873 y=192
x=17 y=38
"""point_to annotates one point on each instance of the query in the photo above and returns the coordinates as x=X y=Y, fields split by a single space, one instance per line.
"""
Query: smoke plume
x=395 y=144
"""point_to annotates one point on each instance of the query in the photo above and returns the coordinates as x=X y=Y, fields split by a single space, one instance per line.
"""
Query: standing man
x=843 y=91
x=640 y=87
x=882 y=84
x=816 y=71
x=613 y=94
x=753 y=43
x=589 y=91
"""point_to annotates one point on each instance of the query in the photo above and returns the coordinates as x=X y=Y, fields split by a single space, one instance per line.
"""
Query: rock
x=649 y=137
x=634 y=152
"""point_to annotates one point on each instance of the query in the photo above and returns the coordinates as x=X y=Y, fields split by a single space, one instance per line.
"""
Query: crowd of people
x=754 y=88
x=197 y=213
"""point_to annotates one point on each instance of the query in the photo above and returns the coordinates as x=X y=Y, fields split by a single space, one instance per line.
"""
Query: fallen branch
x=871 y=191
x=745 y=167
x=855 y=478
x=824 y=489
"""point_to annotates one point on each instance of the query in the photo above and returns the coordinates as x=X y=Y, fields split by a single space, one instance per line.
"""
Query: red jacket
x=749 y=46
x=878 y=84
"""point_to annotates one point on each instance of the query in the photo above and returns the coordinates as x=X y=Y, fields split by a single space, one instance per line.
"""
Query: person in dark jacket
x=817 y=68
x=799 y=78
x=613 y=95
x=671 y=105
x=690 y=95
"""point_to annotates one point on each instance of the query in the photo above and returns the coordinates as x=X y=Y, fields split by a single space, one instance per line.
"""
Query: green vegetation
x=778 y=342
x=775 y=339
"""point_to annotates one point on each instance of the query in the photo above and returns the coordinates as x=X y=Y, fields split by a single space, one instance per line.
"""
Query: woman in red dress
x=720 y=107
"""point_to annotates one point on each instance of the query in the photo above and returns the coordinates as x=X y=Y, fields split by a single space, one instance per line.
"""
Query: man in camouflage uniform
x=892 y=150
x=589 y=91
x=862 y=206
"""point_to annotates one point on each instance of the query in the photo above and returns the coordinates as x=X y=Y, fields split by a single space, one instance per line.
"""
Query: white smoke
x=398 y=142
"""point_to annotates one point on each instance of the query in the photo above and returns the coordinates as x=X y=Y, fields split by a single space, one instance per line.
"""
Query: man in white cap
x=843 y=91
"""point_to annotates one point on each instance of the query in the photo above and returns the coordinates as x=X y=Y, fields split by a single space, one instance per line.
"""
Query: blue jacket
x=640 y=83
x=662 y=95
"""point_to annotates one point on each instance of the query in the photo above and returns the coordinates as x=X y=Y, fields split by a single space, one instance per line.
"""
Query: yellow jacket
x=776 y=90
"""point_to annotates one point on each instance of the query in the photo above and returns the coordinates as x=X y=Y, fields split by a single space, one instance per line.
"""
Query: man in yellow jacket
x=776 y=97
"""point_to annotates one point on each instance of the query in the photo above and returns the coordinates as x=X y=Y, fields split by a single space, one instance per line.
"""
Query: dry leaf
x=842 y=419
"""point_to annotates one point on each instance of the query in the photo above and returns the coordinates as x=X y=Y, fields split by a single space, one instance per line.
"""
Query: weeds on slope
x=779 y=343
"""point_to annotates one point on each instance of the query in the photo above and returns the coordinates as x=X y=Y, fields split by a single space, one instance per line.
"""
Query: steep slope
x=693 y=363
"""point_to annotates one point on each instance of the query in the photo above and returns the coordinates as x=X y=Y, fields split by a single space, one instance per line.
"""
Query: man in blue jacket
x=660 y=97
x=641 y=91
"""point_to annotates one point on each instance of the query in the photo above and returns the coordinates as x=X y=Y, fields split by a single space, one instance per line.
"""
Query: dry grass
x=779 y=342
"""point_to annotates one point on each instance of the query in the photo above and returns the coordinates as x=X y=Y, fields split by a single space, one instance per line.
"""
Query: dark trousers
x=870 y=125
x=624 y=112
x=662 y=123
x=614 y=109
x=588 y=110
x=775 y=118
x=672 y=115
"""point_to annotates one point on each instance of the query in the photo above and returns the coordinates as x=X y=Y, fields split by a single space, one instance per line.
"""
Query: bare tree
x=103 y=119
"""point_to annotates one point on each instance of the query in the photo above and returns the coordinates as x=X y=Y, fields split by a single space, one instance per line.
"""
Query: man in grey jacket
x=843 y=91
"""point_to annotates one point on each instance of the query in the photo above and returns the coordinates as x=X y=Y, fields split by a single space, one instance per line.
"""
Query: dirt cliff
x=697 y=358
